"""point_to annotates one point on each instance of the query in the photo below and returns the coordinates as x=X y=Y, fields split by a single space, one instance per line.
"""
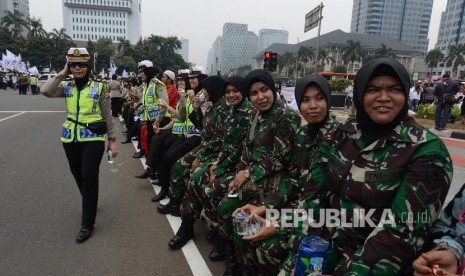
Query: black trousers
x=115 y=106
x=160 y=144
x=181 y=147
x=84 y=161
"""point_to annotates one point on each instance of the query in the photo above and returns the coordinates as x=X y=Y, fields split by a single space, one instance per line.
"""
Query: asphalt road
x=40 y=205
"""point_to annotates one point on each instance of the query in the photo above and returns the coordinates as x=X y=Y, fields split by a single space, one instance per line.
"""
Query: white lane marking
x=9 y=117
x=195 y=260
x=31 y=111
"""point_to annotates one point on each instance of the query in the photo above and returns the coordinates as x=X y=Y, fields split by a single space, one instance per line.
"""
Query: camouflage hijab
x=379 y=67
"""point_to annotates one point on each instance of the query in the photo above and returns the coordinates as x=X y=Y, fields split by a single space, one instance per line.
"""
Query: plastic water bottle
x=313 y=252
x=109 y=157
x=241 y=225
x=254 y=226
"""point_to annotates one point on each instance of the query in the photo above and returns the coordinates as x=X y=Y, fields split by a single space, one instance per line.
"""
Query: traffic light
x=267 y=61
x=273 y=62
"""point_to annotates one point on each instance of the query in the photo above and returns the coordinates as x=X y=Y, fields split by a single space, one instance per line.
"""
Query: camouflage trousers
x=180 y=174
x=191 y=205
x=271 y=254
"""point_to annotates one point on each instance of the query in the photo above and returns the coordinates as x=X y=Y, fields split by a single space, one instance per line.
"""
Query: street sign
x=313 y=18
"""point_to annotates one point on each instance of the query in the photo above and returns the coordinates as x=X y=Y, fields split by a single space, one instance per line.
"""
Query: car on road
x=43 y=79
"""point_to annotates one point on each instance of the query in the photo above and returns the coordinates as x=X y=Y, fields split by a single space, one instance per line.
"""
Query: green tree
x=324 y=57
x=339 y=69
x=351 y=52
x=433 y=57
x=243 y=70
x=305 y=55
x=36 y=29
x=60 y=42
x=455 y=57
x=105 y=51
x=15 y=21
x=384 y=51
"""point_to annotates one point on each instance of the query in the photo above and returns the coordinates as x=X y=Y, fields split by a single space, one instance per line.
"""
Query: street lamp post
x=95 y=61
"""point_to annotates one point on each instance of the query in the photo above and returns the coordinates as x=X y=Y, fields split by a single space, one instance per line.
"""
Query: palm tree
x=384 y=51
x=455 y=56
x=305 y=54
x=170 y=45
x=124 y=47
x=352 y=51
x=324 y=57
x=15 y=21
x=433 y=57
x=36 y=29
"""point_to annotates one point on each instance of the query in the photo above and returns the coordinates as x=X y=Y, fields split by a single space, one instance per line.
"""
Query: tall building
x=215 y=58
x=184 y=51
x=11 y=5
x=405 y=20
x=252 y=48
x=266 y=37
x=451 y=29
x=234 y=46
x=93 y=19
x=15 y=5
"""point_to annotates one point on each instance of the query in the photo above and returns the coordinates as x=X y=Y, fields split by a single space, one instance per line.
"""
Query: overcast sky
x=202 y=21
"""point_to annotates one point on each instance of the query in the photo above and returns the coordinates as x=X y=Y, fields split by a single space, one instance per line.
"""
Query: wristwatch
x=247 y=173
x=112 y=139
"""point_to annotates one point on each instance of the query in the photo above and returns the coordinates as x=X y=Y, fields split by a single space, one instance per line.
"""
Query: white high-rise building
x=234 y=46
x=215 y=58
x=266 y=37
x=93 y=19
x=252 y=48
x=184 y=51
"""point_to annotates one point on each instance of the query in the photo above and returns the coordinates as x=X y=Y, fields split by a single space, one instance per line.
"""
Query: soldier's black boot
x=161 y=195
x=184 y=234
x=171 y=208
x=149 y=172
x=233 y=266
x=218 y=252
x=212 y=234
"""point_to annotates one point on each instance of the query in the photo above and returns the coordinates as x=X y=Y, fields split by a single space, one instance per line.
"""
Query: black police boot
x=212 y=234
x=171 y=208
x=149 y=172
x=217 y=254
x=84 y=233
x=184 y=234
x=138 y=154
x=233 y=266
x=161 y=195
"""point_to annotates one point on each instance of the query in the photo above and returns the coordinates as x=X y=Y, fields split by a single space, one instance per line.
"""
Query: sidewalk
x=342 y=114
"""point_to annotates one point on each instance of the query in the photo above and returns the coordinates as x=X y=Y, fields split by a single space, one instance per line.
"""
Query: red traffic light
x=267 y=54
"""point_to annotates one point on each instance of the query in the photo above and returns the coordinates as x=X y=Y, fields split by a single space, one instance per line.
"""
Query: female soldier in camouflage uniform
x=265 y=155
x=387 y=172
x=312 y=94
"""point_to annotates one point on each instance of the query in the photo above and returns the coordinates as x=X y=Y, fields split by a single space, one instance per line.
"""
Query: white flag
x=125 y=74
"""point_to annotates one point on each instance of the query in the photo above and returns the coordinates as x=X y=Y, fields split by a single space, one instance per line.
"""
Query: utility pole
x=95 y=61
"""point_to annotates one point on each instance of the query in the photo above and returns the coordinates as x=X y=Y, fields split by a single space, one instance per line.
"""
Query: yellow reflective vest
x=82 y=106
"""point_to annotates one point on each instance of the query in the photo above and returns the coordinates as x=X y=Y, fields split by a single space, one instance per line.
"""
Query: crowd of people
x=230 y=147
x=23 y=82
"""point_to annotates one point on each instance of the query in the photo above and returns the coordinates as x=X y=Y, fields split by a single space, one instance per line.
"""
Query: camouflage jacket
x=267 y=145
x=235 y=125
x=212 y=134
x=392 y=190
x=449 y=229
x=299 y=168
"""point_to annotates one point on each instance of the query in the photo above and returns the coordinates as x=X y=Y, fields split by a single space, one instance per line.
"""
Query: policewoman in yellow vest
x=87 y=126
x=153 y=90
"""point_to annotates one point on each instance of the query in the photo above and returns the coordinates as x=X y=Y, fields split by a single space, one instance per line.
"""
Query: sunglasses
x=78 y=64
